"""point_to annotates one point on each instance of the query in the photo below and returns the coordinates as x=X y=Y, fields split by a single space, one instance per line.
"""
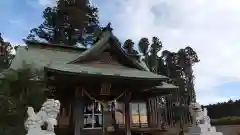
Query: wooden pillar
x=159 y=115
x=113 y=109
x=104 y=121
x=78 y=117
x=155 y=114
x=127 y=114
x=148 y=112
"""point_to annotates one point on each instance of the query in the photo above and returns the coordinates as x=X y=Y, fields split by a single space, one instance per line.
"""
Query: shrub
x=19 y=89
x=233 y=120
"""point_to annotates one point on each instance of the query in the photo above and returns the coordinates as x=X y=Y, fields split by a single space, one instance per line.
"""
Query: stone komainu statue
x=47 y=115
x=201 y=122
x=198 y=114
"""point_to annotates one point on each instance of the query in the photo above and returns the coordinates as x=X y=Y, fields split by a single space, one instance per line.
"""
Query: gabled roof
x=130 y=68
x=96 y=49
x=75 y=60
x=108 y=41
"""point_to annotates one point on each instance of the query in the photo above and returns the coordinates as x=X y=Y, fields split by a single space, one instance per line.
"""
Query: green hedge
x=18 y=90
x=234 y=120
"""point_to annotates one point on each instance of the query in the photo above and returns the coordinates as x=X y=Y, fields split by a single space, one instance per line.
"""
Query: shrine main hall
x=102 y=90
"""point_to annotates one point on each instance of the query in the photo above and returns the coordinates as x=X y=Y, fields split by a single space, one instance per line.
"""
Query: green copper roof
x=163 y=89
x=40 y=58
x=85 y=69
x=98 y=48
x=69 y=59
x=166 y=86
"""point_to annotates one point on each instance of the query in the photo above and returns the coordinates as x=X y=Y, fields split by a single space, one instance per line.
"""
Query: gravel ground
x=225 y=129
x=229 y=130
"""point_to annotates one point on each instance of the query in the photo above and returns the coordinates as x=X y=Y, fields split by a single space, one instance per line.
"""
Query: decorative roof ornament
x=108 y=27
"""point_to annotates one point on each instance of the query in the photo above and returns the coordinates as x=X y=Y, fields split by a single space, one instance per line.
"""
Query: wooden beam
x=149 y=106
x=127 y=114
x=78 y=112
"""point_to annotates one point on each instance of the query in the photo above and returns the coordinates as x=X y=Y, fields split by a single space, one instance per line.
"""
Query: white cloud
x=211 y=27
x=40 y=4
x=46 y=3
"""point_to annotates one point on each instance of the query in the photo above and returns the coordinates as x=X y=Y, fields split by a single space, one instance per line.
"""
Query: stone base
x=206 y=133
x=203 y=129
x=48 y=133
x=38 y=131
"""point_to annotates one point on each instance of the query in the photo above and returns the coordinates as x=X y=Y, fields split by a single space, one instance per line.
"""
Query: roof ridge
x=31 y=43
x=98 y=47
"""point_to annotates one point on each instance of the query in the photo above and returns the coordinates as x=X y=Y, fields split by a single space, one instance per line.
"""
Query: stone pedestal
x=201 y=122
x=203 y=129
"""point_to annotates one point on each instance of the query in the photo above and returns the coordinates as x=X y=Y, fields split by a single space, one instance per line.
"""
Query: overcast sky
x=210 y=27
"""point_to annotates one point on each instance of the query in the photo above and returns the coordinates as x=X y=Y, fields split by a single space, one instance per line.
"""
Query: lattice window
x=92 y=115
x=139 y=114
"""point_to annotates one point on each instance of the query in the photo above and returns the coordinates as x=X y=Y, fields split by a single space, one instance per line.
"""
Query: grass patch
x=233 y=120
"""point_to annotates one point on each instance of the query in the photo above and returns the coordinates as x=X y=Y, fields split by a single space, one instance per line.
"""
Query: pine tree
x=187 y=57
x=69 y=22
x=143 y=45
x=5 y=53
x=175 y=65
x=156 y=46
x=128 y=46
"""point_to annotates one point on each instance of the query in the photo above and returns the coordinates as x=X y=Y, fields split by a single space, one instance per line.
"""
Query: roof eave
x=86 y=74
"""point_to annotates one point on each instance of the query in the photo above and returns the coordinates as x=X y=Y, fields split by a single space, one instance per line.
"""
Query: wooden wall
x=165 y=114
x=160 y=116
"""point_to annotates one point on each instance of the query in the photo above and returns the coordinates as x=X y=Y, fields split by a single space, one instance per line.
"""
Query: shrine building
x=102 y=90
